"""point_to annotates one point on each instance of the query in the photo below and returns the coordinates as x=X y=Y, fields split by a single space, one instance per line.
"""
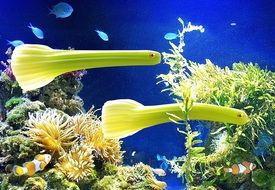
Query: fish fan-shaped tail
x=31 y=67
x=119 y=118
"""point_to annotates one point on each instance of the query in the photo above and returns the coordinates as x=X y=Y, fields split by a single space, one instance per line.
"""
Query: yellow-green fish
x=35 y=66
x=124 y=117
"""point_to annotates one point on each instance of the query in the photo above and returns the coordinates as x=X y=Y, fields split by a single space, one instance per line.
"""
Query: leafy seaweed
x=245 y=86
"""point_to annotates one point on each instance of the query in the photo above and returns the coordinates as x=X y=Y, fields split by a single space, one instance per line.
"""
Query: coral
x=5 y=129
x=61 y=94
x=14 y=149
x=139 y=176
x=108 y=169
x=52 y=119
x=107 y=183
x=50 y=130
x=35 y=183
x=17 y=116
x=57 y=181
x=7 y=65
x=4 y=182
x=8 y=86
x=78 y=163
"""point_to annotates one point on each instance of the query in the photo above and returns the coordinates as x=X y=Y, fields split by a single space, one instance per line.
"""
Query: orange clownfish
x=29 y=168
x=243 y=168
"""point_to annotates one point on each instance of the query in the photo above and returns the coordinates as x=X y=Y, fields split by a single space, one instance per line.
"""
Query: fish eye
x=240 y=115
x=152 y=55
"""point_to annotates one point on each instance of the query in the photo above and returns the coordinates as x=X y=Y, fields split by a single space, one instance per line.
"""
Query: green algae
x=17 y=149
x=17 y=116
x=35 y=183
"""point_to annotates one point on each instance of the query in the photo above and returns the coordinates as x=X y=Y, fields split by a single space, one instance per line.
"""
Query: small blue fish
x=102 y=35
x=62 y=10
x=36 y=31
x=165 y=163
x=263 y=145
x=15 y=43
x=170 y=36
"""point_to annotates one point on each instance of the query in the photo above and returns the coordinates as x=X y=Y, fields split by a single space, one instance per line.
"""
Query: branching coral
x=50 y=130
x=78 y=163
x=139 y=176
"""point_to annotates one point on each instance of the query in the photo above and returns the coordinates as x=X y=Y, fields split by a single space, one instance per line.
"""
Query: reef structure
x=52 y=120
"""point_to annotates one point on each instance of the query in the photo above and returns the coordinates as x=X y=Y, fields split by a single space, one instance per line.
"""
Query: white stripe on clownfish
x=242 y=168
x=251 y=166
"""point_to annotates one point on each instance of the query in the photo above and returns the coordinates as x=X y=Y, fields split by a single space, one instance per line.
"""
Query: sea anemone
x=88 y=127
x=50 y=130
x=78 y=163
x=106 y=149
x=84 y=122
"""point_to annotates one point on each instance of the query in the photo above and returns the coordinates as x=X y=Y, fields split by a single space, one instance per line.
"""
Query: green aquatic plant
x=35 y=66
x=245 y=86
x=264 y=179
x=14 y=101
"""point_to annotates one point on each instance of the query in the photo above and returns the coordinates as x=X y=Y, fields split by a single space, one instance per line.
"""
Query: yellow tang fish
x=242 y=168
x=30 y=168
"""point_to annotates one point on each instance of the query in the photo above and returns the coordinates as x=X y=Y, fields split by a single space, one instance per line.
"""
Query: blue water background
x=141 y=25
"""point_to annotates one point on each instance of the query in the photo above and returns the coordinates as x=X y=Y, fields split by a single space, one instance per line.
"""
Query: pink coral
x=7 y=65
x=76 y=74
